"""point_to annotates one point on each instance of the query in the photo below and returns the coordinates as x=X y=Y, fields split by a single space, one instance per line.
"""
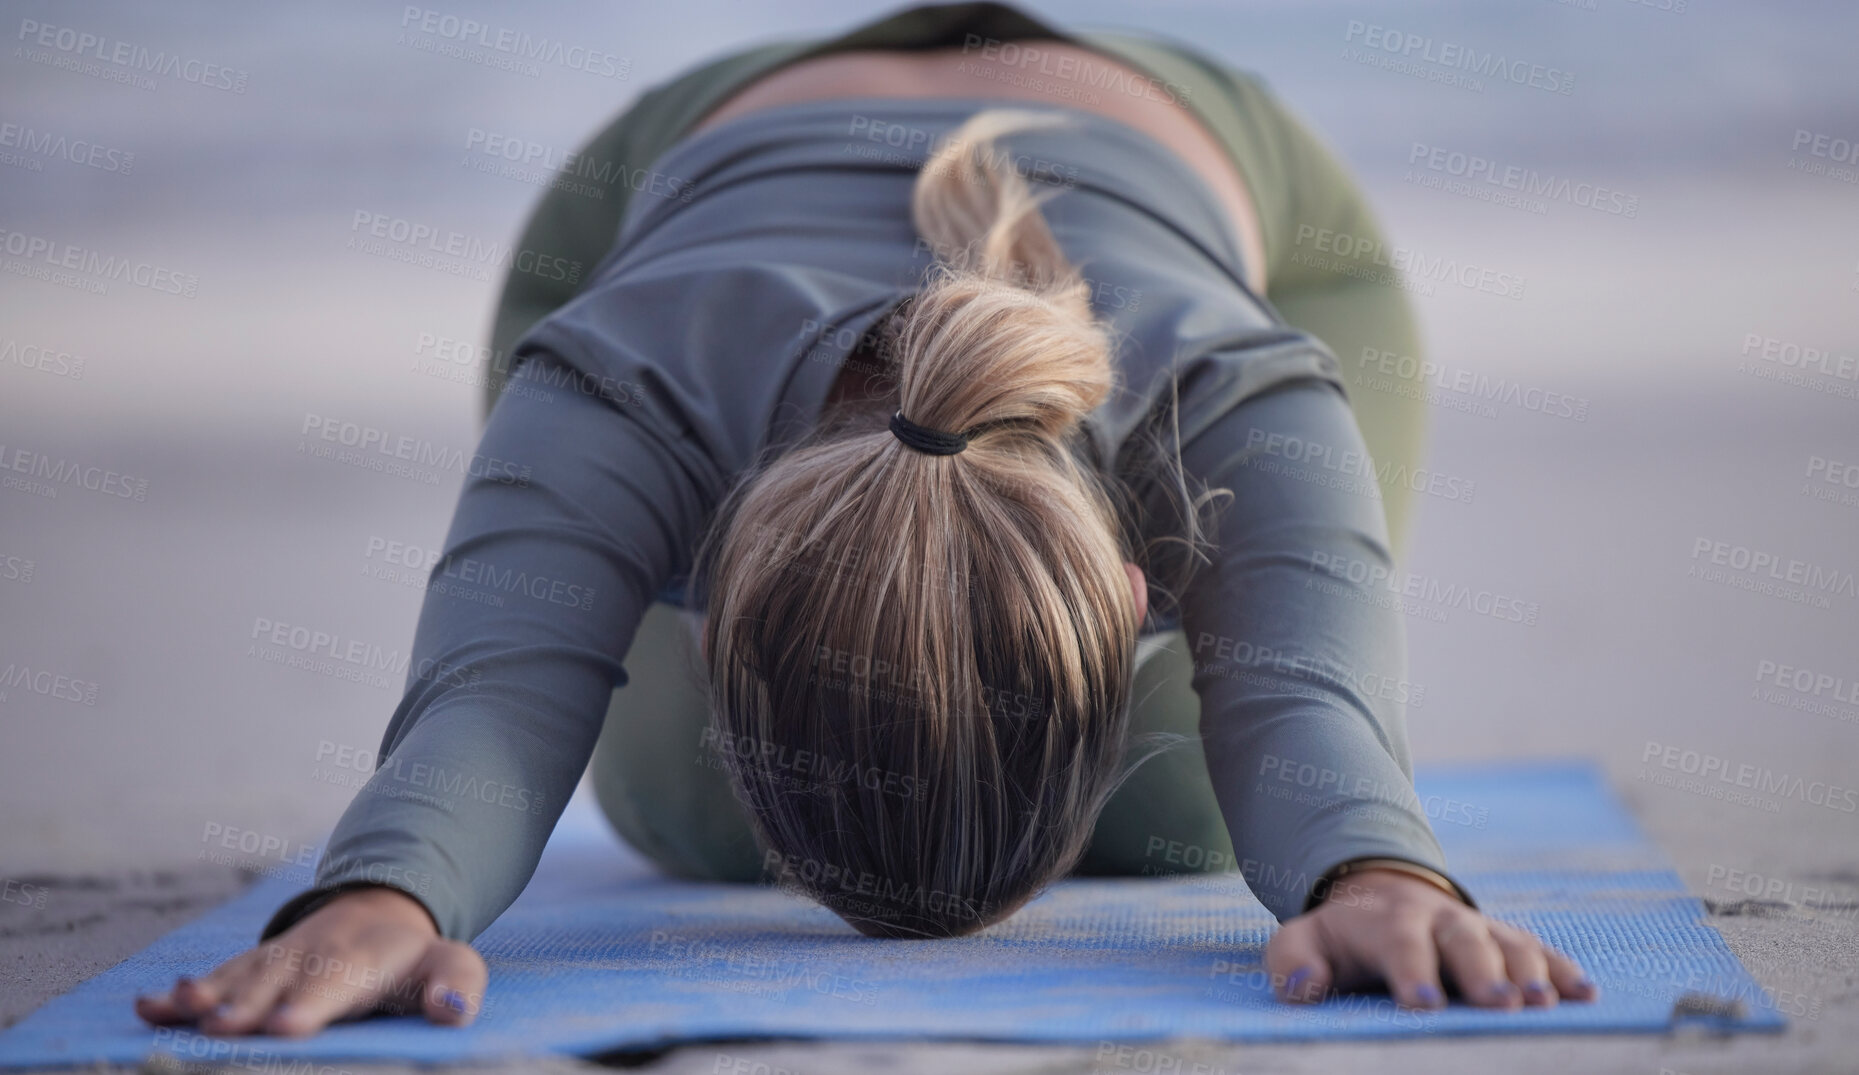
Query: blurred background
x=185 y=292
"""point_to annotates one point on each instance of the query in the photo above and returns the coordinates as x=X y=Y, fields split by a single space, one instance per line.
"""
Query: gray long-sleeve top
x=712 y=334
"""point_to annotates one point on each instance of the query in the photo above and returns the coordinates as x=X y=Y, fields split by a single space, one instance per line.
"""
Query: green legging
x=658 y=773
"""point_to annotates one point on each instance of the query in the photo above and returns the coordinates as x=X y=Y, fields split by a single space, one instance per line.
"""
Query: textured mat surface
x=602 y=954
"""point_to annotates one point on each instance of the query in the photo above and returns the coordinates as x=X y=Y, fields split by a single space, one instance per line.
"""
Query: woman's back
x=726 y=310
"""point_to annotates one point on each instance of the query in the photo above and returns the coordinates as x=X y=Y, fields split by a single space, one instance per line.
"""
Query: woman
x=924 y=445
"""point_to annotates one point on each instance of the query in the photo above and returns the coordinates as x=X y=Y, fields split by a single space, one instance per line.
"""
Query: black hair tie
x=926 y=440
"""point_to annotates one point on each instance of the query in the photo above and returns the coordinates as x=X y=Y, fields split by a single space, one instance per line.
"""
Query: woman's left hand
x=1383 y=926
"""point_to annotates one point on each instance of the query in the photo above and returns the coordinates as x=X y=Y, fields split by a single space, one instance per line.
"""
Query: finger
x=191 y=999
x=455 y=977
x=195 y=998
x=159 y=1009
x=248 y=990
x=1410 y=965
x=1474 y=960
x=1568 y=977
x=311 y=1002
x=1525 y=963
x=244 y=1002
x=1295 y=959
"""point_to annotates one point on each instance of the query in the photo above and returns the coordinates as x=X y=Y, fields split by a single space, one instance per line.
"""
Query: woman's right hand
x=369 y=949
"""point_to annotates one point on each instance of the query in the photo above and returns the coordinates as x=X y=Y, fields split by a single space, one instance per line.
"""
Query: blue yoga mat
x=600 y=954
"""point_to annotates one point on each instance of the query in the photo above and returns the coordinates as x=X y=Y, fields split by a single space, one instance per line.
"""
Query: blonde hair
x=933 y=654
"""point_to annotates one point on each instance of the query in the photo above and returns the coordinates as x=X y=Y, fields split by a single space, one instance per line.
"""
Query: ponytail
x=981 y=592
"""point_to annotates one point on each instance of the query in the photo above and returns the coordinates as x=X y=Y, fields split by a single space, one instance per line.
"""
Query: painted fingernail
x=1501 y=992
x=453 y=999
x=1428 y=996
x=1297 y=979
x=223 y=1011
x=1537 y=990
x=1586 y=985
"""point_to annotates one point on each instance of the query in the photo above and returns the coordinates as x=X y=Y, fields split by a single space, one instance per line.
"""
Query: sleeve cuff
x=1321 y=889
x=304 y=904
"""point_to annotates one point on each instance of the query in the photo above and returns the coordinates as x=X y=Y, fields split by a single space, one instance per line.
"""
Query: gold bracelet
x=1411 y=869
